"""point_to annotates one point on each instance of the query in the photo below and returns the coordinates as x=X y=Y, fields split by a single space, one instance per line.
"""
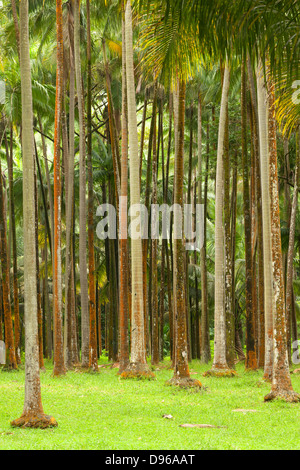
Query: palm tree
x=123 y=265
x=262 y=105
x=181 y=369
x=11 y=362
x=33 y=414
x=138 y=365
x=93 y=356
x=281 y=380
x=220 y=366
x=59 y=365
x=85 y=327
x=251 y=362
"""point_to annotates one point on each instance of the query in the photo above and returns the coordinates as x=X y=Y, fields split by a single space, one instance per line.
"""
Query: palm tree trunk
x=85 y=324
x=123 y=264
x=154 y=279
x=181 y=375
x=205 y=340
x=281 y=380
x=262 y=104
x=138 y=363
x=38 y=290
x=93 y=358
x=229 y=312
x=290 y=255
x=14 y=247
x=33 y=415
x=11 y=362
x=59 y=367
x=251 y=362
x=220 y=366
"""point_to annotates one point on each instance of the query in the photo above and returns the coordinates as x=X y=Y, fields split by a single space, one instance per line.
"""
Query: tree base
x=286 y=395
x=266 y=378
x=137 y=371
x=39 y=421
x=185 y=382
x=123 y=367
x=220 y=373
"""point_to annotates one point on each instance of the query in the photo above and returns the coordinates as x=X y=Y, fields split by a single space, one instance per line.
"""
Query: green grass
x=100 y=411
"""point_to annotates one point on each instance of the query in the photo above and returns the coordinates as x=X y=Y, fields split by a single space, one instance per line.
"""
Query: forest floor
x=100 y=411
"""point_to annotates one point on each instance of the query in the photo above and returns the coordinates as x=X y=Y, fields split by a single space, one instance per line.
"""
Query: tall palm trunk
x=123 y=264
x=290 y=255
x=38 y=286
x=220 y=364
x=138 y=363
x=14 y=247
x=181 y=375
x=93 y=357
x=33 y=415
x=59 y=366
x=262 y=104
x=281 y=380
x=229 y=312
x=154 y=278
x=85 y=326
x=251 y=362
x=205 y=343
x=11 y=362
x=70 y=330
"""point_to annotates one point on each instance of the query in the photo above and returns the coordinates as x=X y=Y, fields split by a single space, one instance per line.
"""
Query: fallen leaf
x=168 y=416
x=245 y=411
x=200 y=426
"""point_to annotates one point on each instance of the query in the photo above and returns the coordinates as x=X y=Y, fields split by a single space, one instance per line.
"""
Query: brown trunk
x=11 y=362
x=281 y=380
x=251 y=362
x=59 y=366
x=123 y=263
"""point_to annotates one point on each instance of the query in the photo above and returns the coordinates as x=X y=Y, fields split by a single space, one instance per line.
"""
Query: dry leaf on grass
x=240 y=410
x=200 y=426
x=168 y=416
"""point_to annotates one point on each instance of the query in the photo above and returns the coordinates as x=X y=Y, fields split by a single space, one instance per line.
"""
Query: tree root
x=185 y=382
x=286 y=395
x=220 y=373
x=137 y=371
x=39 y=421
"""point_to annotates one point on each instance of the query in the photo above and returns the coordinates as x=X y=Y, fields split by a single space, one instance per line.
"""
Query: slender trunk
x=220 y=362
x=38 y=290
x=14 y=248
x=33 y=414
x=85 y=323
x=181 y=368
x=229 y=313
x=205 y=340
x=154 y=279
x=290 y=255
x=138 y=351
x=123 y=264
x=93 y=358
x=11 y=362
x=251 y=362
x=262 y=103
x=59 y=366
x=281 y=380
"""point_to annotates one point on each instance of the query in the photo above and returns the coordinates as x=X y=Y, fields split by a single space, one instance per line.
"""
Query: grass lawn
x=100 y=411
